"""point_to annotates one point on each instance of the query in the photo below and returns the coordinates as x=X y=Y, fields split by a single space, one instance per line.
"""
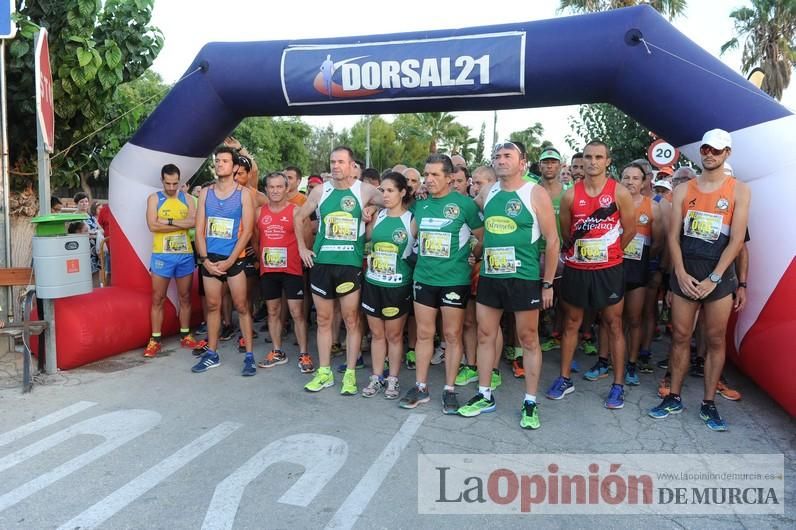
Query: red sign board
x=662 y=153
x=45 y=108
x=72 y=266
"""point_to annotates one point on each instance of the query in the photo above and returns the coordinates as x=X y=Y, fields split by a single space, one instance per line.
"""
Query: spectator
x=104 y=218
x=55 y=204
x=94 y=231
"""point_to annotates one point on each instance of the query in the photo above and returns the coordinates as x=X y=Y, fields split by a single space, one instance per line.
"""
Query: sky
x=187 y=25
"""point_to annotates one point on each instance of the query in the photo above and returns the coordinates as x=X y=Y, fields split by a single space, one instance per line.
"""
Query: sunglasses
x=506 y=145
x=708 y=149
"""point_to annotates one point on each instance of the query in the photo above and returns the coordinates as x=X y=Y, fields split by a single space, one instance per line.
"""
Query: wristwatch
x=742 y=284
x=171 y=221
x=547 y=285
x=715 y=278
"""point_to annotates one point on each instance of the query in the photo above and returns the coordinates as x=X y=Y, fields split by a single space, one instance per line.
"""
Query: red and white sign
x=45 y=107
x=662 y=153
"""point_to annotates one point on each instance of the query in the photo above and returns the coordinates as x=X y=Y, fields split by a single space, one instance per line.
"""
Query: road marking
x=119 y=499
x=117 y=428
x=369 y=484
x=44 y=421
x=321 y=456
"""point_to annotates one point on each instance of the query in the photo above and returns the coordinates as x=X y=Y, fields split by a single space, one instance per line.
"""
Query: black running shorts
x=273 y=284
x=593 y=289
x=386 y=303
x=510 y=294
x=701 y=269
x=334 y=281
x=436 y=297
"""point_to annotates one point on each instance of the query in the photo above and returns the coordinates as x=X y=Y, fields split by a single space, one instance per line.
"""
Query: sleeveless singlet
x=341 y=231
x=278 y=246
x=706 y=220
x=178 y=241
x=222 y=221
x=595 y=231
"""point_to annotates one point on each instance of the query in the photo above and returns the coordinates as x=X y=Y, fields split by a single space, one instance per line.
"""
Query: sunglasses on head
x=506 y=145
x=709 y=149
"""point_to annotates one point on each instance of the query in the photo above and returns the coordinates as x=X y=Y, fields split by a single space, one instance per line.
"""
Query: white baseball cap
x=663 y=183
x=718 y=138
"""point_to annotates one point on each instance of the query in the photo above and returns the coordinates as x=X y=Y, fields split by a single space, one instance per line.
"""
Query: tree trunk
x=84 y=176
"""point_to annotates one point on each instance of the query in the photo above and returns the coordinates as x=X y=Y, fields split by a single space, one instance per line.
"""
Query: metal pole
x=367 y=144
x=4 y=174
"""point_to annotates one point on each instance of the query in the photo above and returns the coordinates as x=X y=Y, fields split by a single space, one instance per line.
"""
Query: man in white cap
x=708 y=224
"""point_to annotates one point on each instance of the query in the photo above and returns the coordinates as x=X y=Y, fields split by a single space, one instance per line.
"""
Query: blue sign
x=7 y=27
x=463 y=66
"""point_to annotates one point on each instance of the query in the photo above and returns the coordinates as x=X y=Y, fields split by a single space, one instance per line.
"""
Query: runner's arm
x=742 y=269
x=190 y=221
x=543 y=206
x=372 y=196
x=627 y=218
x=740 y=219
x=565 y=216
x=302 y=213
x=201 y=241
x=658 y=233
x=153 y=222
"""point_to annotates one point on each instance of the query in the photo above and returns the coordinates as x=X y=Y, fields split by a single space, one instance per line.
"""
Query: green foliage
x=384 y=149
x=627 y=138
x=480 y=147
x=275 y=143
x=669 y=8
x=95 y=47
x=768 y=30
x=532 y=139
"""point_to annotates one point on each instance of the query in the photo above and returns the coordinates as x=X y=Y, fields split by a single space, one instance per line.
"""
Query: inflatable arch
x=632 y=58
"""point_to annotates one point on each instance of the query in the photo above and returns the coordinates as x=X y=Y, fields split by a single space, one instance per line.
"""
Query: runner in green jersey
x=336 y=261
x=516 y=214
x=387 y=292
x=550 y=165
x=445 y=221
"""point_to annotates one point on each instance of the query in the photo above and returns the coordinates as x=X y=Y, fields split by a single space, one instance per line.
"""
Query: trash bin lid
x=54 y=224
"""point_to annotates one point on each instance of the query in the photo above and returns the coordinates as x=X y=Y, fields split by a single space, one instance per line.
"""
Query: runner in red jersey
x=598 y=216
x=281 y=270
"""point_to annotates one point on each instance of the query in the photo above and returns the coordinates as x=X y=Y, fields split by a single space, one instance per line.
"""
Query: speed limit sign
x=661 y=154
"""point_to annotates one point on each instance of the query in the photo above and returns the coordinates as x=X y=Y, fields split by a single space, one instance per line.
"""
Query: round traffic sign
x=662 y=153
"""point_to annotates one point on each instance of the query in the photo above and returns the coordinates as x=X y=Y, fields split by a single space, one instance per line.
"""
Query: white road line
x=358 y=499
x=117 y=428
x=119 y=499
x=321 y=456
x=44 y=421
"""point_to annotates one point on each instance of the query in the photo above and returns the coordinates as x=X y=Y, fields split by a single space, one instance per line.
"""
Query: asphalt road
x=129 y=443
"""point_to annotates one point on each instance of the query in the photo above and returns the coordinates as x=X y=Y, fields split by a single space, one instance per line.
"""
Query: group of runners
x=466 y=260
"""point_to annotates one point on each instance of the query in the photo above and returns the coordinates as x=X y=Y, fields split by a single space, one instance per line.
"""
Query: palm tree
x=432 y=127
x=670 y=8
x=769 y=32
x=459 y=142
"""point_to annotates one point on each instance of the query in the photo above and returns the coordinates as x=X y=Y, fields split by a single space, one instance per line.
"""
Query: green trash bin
x=61 y=261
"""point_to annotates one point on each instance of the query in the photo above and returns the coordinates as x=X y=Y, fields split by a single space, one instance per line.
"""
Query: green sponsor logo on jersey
x=500 y=225
x=348 y=203
x=513 y=207
x=451 y=211
x=399 y=236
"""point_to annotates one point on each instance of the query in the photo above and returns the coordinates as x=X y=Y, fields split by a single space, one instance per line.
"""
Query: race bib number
x=382 y=266
x=435 y=244
x=591 y=251
x=220 y=227
x=176 y=244
x=703 y=225
x=339 y=228
x=499 y=260
x=635 y=249
x=274 y=258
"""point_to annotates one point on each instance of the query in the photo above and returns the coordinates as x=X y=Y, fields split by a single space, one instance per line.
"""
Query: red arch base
x=767 y=354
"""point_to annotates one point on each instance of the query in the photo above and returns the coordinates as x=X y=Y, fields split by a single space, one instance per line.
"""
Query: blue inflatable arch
x=632 y=58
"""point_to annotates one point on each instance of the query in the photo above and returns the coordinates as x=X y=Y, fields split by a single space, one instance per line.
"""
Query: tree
x=531 y=138
x=432 y=127
x=768 y=30
x=415 y=148
x=319 y=144
x=671 y=8
x=627 y=138
x=481 y=147
x=95 y=47
x=275 y=143
x=459 y=142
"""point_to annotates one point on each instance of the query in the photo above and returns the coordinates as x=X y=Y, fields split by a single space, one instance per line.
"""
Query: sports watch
x=547 y=285
x=715 y=278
